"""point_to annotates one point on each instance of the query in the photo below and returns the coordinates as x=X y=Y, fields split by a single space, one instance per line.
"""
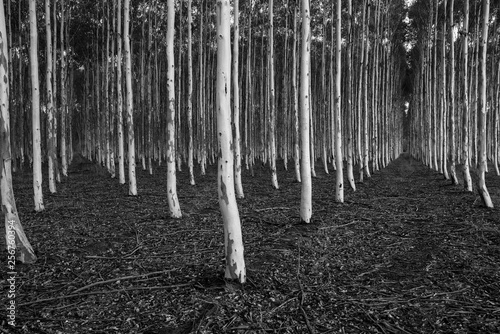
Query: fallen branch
x=275 y=208
x=123 y=278
x=107 y=291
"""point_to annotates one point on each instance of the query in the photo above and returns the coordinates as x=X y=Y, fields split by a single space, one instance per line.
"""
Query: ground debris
x=407 y=253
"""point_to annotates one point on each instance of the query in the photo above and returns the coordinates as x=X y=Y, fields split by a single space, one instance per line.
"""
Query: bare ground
x=406 y=253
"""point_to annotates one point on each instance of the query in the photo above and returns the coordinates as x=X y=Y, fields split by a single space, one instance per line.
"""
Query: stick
x=338 y=226
x=107 y=291
x=120 y=279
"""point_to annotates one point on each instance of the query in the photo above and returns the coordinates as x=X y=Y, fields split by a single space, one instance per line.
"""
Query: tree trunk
x=17 y=244
x=306 y=189
x=295 y=97
x=235 y=263
x=119 y=105
x=173 y=202
x=451 y=88
x=35 y=105
x=483 y=191
x=349 y=109
x=466 y=112
x=52 y=135
x=272 y=111
x=339 y=190
x=190 y=98
x=132 y=183
x=236 y=104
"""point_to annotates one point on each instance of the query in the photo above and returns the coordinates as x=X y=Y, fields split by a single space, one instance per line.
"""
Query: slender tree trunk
x=235 y=263
x=444 y=104
x=483 y=191
x=119 y=109
x=306 y=189
x=272 y=111
x=35 y=105
x=190 y=98
x=295 y=97
x=52 y=135
x=339 y=190
x=365 y=100
x=349 y=109
x=236 y=104
x=17 y=244
x=466 y=112
x=452 y=154
x=132 y=182
x=173 y=202
x=64 y=103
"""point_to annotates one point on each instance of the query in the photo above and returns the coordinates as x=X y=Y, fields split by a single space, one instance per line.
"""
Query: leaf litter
x=406 y=253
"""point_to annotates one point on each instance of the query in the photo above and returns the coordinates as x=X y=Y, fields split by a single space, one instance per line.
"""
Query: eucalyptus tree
x=17 y=243
x=51 y=133
x=236 y=103
x=481 y=105
x=233 y=243
x=339 y=189
x=35 y=109
x=305 y=70
x=132 y=182
x=173 y=201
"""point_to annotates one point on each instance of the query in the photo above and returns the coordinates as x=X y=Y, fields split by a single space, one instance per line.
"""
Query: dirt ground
x=406 y=253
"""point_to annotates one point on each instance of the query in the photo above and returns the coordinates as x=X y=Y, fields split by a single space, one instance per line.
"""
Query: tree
x=236 y=103
x=119 y=104
x=16 y=241
x=466 y=112
x=64 y=102
x=190 y=97
x=272 y=111
x=339 y=189
x=52 y=134
x=35 y=105
x=349 y=109
x=173 y=202
x=452 y=154
x=132 y=182
x=481 y=106
x=305 y=166
x=233 y=243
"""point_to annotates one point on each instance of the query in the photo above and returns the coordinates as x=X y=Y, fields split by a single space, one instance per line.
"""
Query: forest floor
x=406 y=253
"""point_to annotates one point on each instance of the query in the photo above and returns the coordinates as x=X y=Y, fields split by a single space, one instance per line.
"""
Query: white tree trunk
x=339 y=190
x=35 y=105
x=236 y=104
x=466 y=118
x=306 y=189
x=132 y=189
x=173 y=202
x=235 y=263
x=16 y=242
x=190 y=98
x=52 y=135
x=119 y=116
x=483 y=191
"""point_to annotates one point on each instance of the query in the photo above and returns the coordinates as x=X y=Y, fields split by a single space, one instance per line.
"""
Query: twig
x=123 y=278
x=107 y=291
x=275 y=208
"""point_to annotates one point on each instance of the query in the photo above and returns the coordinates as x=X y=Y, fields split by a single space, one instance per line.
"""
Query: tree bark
x=483 y=191
x=35 y=105
x=466 y=112
x=132 y=189
x=173 y=202
x=235 y=264
x=236 y=104
x=16 y=242
x=306 y=184
x=339 y=190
